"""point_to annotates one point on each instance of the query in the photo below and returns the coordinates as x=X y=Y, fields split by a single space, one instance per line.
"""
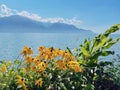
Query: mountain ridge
x=20 y=24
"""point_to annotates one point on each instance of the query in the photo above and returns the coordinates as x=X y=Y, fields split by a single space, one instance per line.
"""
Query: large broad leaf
x=101 y=53
x=85 y=52
x=109 y=44
x=106 y=53
x=112 y=29
x=98 y=42
x=103 y=41
x=82 y=62
x=87 y=44
x=96 y=55
x=117 y=25
x=91 y=63
x=105 y=63
x=109 y=40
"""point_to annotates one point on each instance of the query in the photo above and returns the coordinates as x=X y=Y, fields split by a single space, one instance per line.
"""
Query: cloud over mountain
x=6 y=11
x=20 y=24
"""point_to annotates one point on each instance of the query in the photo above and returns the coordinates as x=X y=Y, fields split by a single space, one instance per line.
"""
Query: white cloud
x=29 y=15
x=5 y=11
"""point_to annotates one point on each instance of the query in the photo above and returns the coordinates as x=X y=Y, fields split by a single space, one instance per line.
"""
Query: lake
x=12 y=43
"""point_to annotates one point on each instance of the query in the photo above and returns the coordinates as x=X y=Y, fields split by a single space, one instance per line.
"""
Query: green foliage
x=91 y=50
x=86 y=72
x=114 y=70
x=88 y=56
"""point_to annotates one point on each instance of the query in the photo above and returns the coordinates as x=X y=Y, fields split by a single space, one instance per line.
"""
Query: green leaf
x=105 y=63
x=103 y=41
x=112 y=29
x=117 y=25
x=92 y=63
x=17 y=61
x=106 y=53
x=68 y=50
x=89 y=87
x=102 y=53
x=109 y=40
x=87 y=45
x=108 y=45
x=85 y=52
x=96 y=55
x=63 y=86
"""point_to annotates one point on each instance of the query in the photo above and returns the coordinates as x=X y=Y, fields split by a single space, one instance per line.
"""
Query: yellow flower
x=56 y=52
x=61 y=52
x=33 y=68
x=20 y=80
x=41 y=48
x=51 y=57
x=46 y=57
x=39 y=82
x=37 y=60
x=4 y=69
x=60 y=64
x=26 y=51
x=75 y=66
x=42 y=66
x=29 y=59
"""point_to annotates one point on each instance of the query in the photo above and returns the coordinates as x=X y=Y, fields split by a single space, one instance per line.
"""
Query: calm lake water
x=12 y=43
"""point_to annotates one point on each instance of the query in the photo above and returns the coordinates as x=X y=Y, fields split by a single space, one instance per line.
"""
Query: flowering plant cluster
x=47 y=70
x=56 y=69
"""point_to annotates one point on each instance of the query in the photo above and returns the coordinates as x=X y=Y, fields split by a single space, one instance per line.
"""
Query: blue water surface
x=12 y=43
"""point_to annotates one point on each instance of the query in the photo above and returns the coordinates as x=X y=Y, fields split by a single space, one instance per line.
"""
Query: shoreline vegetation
x=57 y=69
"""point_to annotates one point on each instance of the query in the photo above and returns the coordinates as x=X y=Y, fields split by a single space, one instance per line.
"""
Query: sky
x=95 y=15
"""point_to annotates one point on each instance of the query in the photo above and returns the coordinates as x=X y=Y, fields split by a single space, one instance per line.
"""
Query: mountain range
x=20 y=24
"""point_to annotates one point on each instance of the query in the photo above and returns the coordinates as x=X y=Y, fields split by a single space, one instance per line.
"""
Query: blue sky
x=96 y=15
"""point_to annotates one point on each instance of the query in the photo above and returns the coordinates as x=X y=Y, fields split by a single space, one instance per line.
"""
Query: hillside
x=20 y=24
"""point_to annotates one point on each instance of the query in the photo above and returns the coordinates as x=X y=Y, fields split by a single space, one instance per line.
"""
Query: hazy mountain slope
x=21 y=24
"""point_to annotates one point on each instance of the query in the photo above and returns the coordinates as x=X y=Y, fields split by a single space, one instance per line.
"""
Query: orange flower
x=75 y=66
x=39 y=82
x=61 y=52
x=21 y=81
x=51 y=57
x=56 y=52
x=33 y=68
x=60 y=64
x=37 y=60
x=41 y=48
x=42 y=66
x=29 y=59
x=26 y=51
